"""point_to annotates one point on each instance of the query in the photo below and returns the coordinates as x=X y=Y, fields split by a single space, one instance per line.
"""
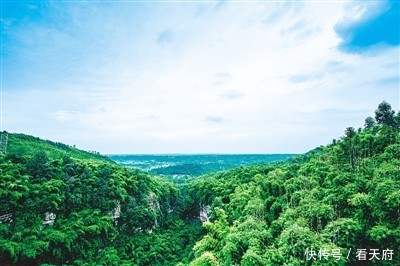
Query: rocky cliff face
x=155 y=206
x=204 y=213
x=116 y=213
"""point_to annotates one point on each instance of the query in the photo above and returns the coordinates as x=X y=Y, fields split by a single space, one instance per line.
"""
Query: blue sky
x=196 y=77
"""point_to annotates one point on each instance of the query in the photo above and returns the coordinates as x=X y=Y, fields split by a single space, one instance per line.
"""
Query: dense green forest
x=61 y=205
x=335 y=205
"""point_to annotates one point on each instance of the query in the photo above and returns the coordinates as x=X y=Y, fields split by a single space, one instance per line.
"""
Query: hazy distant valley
x=179 y=166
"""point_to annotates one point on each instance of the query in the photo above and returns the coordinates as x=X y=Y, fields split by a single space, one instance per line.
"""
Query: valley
x=60 y=205
x=179 y=167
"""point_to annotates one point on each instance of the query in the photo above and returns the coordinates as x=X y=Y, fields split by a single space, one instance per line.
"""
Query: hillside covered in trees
x=335 y=205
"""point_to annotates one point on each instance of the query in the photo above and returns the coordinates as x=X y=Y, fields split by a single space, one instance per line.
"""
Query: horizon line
x=183 y=154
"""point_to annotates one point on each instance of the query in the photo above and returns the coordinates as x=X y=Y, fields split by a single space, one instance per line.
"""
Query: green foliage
x=59 y=205
x=384 y=115
x=343 y=196
x=24 y=145
x=369 y=123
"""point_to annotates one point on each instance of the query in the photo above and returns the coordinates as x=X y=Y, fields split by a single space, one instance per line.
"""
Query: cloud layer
x=133 y=77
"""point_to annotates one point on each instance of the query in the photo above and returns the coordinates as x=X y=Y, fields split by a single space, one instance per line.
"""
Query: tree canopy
x=60 y=205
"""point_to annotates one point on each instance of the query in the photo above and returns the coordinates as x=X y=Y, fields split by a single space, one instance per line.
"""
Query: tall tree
x=369 y=122
x=349 y=133
x=384 y=115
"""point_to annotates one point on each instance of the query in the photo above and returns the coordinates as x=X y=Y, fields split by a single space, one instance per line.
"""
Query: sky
x=140 y=77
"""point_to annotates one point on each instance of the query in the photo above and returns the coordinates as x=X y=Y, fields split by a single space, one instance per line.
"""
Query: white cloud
x=245 y=77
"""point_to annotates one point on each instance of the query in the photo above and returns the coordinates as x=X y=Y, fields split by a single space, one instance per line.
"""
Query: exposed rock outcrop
x=204 y=213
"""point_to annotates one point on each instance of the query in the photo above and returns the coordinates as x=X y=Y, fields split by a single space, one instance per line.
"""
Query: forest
x=338 y=204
